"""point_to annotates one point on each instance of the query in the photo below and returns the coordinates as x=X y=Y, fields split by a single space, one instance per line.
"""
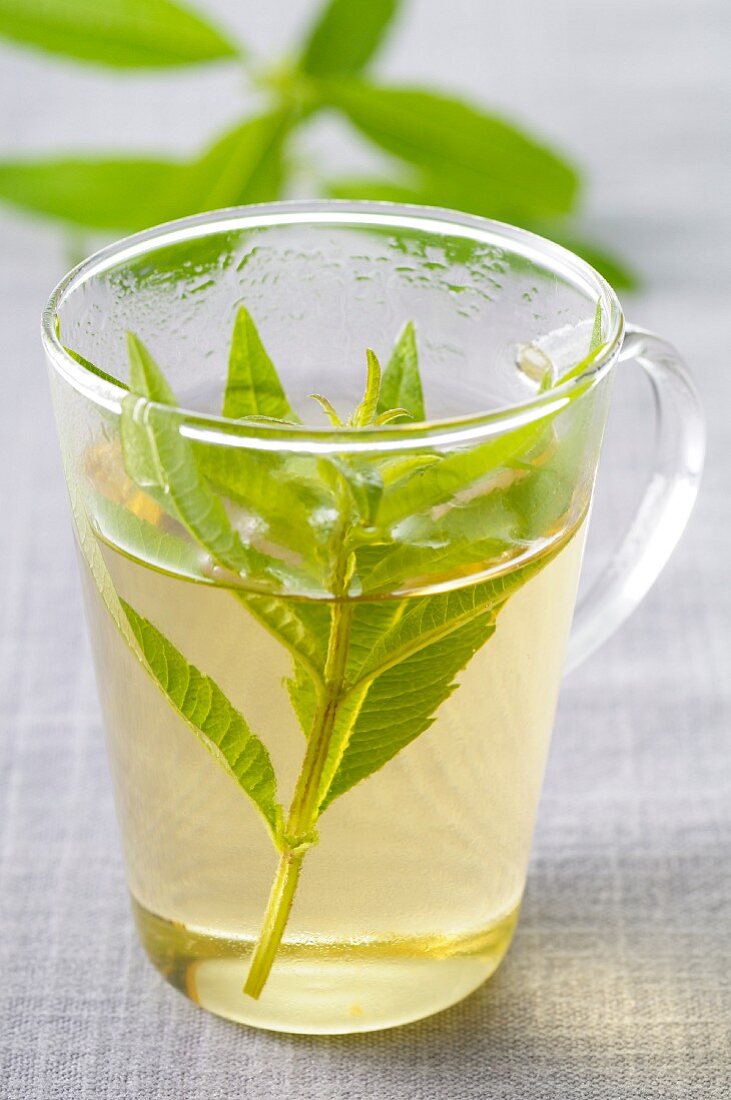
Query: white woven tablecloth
x=619 y=981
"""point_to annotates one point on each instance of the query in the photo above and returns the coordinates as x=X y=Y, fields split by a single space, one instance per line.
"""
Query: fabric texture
x=618 y=984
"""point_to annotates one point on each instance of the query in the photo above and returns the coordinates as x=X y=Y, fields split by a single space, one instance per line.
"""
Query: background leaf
x=453 y=140
x=114 y=193
x=245 y=165
x=453 y=194
x=121 y=33
x=346 y=36
x=610 y=266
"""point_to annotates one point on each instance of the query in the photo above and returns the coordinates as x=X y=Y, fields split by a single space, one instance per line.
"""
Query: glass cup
x=328 y=651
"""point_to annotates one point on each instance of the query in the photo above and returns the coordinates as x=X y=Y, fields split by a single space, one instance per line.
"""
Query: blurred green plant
x=441 y=151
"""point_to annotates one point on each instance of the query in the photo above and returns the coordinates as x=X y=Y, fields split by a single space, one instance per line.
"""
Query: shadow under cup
x=328 y=658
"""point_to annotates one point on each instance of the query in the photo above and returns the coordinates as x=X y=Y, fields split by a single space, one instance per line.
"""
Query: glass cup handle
x=665 y=506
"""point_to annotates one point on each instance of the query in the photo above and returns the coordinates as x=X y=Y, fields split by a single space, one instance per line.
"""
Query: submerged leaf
x=222 y=728
x=401 y=703
x=410 y=670
x=146 y=541
x=300 y=627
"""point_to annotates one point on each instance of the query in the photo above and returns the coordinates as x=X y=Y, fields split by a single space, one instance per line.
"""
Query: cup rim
x=213 y=428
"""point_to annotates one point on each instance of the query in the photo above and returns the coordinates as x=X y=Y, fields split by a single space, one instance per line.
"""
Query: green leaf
x=476 y=508
x=329 y=409
x=390 y=415
x=145 y=377
x=292 y=506
x=394 y=469
x=120 y=33
x=426 y=187
x=464 y=193
x=221 y=729
x=162 y=462
x=596 y=332
x=408 y=670
x=243 y=166
x=401 y=384
x=378 y=189
x=363 y=484
x=401 y=703
x=117 y=193
x=148 y=542
x=302 y=696
x=426 y=620
x=366 y=410
x=93 y=369
x=413 y=564
x=615 y=271
x=346 y=36
x=253 y=387
x=300 y=627
x=199 y=700
x=455 y=141
x=439 y=482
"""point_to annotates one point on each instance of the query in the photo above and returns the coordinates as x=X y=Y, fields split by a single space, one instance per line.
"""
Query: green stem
x=304 y=810
x=275 y=921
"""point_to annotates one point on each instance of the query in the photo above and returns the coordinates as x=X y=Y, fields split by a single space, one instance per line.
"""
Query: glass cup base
x=317 y=989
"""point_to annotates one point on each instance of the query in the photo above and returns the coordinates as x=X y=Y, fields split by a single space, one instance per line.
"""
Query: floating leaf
x=401 y=384
x=366 y=410
x=439 y=482
x=253 y=386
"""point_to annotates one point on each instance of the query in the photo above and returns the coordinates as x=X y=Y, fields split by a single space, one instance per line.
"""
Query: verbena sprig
x=440 y=151
x=368 y=676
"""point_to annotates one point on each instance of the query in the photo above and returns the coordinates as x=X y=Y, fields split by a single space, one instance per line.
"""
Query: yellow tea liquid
x=409 y=898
